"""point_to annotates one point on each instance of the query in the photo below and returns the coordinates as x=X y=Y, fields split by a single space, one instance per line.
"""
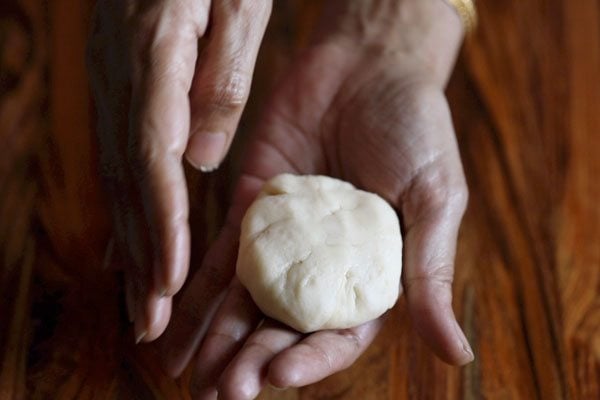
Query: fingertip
x=232 y=386
x=140 y=334
x=460 y=358
x=276 y=388
x=281 y=376
x=466 y=356
x=168 y=285
x=139 y=324
x=235 y=385
x=321 y=354
x=437 y=326
x=246 y=374
x=206 y=150
x=204 y=394
x=288 y=369
x=158 y=313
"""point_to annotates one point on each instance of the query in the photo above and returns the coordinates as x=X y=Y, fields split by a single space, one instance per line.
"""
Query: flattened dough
x=317 y=253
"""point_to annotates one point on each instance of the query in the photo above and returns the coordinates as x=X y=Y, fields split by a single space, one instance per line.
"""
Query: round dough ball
x=316 y=253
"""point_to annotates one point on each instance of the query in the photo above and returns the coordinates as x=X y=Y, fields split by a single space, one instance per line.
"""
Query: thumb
x=432 y=214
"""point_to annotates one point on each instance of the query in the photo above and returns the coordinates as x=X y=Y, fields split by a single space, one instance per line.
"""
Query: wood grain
x=525 y=98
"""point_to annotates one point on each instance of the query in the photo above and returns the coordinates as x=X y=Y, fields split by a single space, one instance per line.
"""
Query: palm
x=379 y=128
x=383 y=132
x=381 y=135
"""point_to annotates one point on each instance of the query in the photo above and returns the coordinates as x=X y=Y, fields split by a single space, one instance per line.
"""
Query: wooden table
x=526 y=102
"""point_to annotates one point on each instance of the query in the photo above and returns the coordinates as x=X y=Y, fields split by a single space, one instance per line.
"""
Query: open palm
x=373 y=122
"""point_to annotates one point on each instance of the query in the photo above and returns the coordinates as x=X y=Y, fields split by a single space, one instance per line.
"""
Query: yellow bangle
x=467 y=13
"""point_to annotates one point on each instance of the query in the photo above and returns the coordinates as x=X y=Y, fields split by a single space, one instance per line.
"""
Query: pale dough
x=317 y=253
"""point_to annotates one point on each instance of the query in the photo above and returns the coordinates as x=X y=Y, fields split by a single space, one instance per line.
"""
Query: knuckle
x=353 y=338
x=457 y=197
x=224 y=334
x=230 y=94
x=442 y=274
x=141 y=156
x=440 y=190
x=159 y=63
x=325 y=357
x=259 y=347
x=163 y=54
x=439 y=275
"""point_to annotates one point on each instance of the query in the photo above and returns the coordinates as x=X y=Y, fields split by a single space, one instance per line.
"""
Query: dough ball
x=316 y=253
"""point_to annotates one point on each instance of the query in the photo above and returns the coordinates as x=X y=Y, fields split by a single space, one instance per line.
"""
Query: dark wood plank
x=525 y=99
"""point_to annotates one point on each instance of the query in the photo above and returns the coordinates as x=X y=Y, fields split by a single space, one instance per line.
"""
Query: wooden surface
x=526 y=101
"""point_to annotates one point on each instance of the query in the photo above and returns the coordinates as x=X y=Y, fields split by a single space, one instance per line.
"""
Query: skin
x=354 y=106
x=369 y=112
x=166 y=87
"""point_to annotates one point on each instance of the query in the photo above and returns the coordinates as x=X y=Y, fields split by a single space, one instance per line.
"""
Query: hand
x=165 y=85
x=370 y=113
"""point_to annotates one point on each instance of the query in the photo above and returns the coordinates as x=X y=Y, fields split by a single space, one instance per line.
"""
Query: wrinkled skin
x=364 y=103
x=158 y=99
x=374 y=115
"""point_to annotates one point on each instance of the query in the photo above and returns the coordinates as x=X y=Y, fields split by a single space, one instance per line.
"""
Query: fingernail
x=276 y=388
x=208 y=168
x=139 y=329
x=467 y=349
x=465 y=343
x=139 y=337
x=206 y=150
x=159 y=278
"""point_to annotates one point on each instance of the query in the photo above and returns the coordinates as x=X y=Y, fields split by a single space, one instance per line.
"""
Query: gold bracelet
x=467 y=13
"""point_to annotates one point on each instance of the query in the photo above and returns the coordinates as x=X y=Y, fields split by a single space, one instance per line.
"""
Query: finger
x=151 y=311
x=321 y=355
x=235 y=320
x=164 y=55
x=205 y=292
x=246 y=375
x=113 y=97
x=199 y=302
x=157 y=311
x=432 y=214
x=238 y=315
x=136 y=271
x=223 y=78
x=126 y=242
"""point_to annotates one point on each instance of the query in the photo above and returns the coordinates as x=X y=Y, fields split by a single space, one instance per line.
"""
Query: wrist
x=423 y=34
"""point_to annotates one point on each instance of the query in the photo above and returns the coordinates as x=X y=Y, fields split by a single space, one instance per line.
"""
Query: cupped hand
x=377 y=117
x=170 y=78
